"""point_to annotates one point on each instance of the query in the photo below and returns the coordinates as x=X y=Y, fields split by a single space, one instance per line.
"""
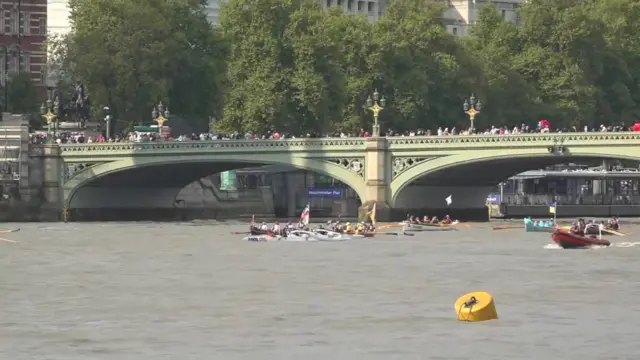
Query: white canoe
x=410 y=227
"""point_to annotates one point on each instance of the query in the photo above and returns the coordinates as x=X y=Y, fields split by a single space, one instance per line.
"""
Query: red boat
x=568 y=240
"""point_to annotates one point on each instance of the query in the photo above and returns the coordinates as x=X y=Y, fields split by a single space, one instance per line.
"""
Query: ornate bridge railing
x=222 y=145
x=519 y=140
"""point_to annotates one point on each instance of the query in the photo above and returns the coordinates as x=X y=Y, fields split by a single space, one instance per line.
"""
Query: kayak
x=567 y=240
x=407 y=226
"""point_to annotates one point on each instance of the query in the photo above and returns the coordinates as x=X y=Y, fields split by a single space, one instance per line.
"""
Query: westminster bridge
x=381 y=170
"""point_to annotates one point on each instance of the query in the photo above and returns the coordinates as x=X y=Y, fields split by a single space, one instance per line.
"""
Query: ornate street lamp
x=49 y=111
x=160 y=115
x=472 y=108
x=107 y=120
x=376 y=105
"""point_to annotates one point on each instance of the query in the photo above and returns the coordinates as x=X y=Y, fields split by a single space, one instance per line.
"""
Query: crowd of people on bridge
x=543 y=126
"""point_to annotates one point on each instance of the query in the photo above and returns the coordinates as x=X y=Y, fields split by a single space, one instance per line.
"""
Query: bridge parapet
x=471 y=142
x=257 y=146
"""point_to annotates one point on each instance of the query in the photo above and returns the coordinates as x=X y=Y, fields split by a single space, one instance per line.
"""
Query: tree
x=423 y=70
x=293 y=67
x=511 y=100
x=133 y=54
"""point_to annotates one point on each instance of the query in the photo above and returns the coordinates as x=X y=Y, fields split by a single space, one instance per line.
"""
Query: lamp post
x=160 y=115
x=50 y=112
x=107 y=120
x=376 y=104
x=472 y=108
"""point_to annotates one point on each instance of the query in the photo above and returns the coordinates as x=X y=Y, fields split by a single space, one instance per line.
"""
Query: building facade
x=23 y=33
x=462 y=14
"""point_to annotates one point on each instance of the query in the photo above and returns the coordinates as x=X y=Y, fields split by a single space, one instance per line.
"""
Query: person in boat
x=275 y=229
x=579 y=227
x=348 y=228
x=263 y=226
x=412 y=220
x=361 y=228
x=550 y=223
x=290 y=225
x=435 y=220
x=370 y=228
x=528 y=220
x=613 y=224
x=447 y=220
x=337 y=227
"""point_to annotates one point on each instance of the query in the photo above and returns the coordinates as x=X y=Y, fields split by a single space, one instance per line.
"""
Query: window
x=329 y=3
x=349 y=4
x=25 y=62
x=25 y=22
x=43 y=76
x=8 y=22
x=43 y=26
x=360 y=5
x=454 y=31
x=370 y=6
x=504 y=14
x=339 y=3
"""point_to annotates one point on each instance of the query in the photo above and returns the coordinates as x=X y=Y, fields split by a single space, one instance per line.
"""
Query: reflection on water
x=179 y=291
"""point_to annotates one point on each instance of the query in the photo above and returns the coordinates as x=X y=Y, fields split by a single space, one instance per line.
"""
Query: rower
x=426 y=219
x=616 y=223
x=276 y=228
x=338 y=227
x=263 y=226
x=435 y=220
x=412 y=220
x=290 y=225
x=348 y=228
x=447 y=220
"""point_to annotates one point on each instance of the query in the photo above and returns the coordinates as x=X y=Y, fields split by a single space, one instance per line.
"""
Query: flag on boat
x=372 y=214
x=304 y=217
x=448 y=200
x=552 y=208
x=253 y=219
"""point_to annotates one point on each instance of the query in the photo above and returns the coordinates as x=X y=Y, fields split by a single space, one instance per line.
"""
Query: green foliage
x=133 y=54
x=287 y=65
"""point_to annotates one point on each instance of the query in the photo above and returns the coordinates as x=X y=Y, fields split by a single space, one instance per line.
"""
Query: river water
x=193 y=291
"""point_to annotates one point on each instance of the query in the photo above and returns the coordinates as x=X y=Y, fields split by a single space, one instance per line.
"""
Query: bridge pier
x=52 y=178
x=377 y=180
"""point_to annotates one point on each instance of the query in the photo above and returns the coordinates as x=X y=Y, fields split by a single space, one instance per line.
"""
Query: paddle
x=7 y=240
x=508 y=227
x=240 y=232
x=9 y=231
x=395 y=233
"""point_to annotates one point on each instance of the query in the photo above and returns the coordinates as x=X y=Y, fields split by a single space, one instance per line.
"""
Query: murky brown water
x=179 y=291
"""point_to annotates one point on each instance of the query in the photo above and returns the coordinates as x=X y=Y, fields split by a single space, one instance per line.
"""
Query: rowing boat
x=407 y=226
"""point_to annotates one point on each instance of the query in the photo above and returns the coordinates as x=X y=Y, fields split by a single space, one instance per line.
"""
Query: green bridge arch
x=536 y=157
x=100 y=169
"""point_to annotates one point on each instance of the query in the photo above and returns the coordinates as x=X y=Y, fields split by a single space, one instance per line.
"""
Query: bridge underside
x=141 y=193
x=469 y=184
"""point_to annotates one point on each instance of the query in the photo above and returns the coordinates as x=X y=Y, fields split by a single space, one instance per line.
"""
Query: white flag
x=448 y=200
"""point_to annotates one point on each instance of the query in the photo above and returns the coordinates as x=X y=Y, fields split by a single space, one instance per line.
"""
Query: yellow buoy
x=476 y=306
